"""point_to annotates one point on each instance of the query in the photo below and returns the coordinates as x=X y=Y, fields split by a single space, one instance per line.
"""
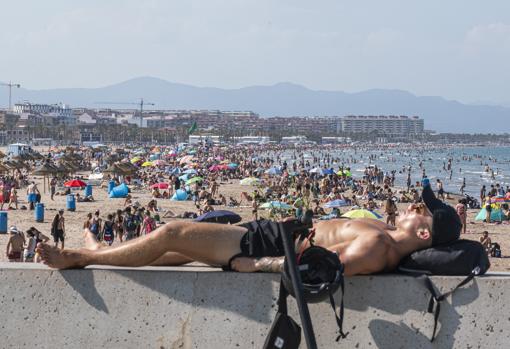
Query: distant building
x=391 y=125
x=336 y=140
x=204 y=139
x=252 y=140
x=294 y=140
x=55 y=109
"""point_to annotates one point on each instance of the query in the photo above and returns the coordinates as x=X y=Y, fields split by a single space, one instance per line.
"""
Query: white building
x=336 y=140
x=394 y=125
x=294 y=140
x=53 y=109
x=204 y=139
x=252 y=140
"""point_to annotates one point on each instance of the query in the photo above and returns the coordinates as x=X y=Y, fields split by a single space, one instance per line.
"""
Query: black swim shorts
x=261 y=240
x=58 y=236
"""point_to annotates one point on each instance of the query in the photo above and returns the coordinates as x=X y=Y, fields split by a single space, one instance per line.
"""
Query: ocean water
x=475 y=164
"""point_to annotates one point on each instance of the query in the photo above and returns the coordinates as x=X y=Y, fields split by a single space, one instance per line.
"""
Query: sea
x=478 y=165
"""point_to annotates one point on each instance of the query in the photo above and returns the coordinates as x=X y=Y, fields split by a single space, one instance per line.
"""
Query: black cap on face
x=446 y=224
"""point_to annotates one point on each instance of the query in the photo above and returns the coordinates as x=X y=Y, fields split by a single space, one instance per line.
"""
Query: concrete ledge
x=197 y=307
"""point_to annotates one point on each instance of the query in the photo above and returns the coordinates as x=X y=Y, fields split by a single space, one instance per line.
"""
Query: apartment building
x=391 y=125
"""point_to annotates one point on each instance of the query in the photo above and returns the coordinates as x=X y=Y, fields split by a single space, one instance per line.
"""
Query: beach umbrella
x=159 y=163
x=317 y=170
x=161 y=185
x=362 y=213
x=249 y=181
x=274 y=171
x=233 y=165
x=186 y=159
x=135 y=159
x=219 y=216
x=328 y=171
x=214 y=168
x=276 y=205
x=75 y=183
x=174 y=171
x=496 y=215
x=147 y=164
x=335 y=203
x=194 y=180
x=190 y=171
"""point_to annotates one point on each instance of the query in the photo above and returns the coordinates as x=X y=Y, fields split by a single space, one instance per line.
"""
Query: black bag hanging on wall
x=460 y=257
x=285 y=333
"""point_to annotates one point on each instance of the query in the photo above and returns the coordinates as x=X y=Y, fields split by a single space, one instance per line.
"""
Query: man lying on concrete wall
x=364 y=246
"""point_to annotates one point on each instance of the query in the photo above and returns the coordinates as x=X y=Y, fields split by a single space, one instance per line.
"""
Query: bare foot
x=244 y=265
x=61 y=259
x=91 y=242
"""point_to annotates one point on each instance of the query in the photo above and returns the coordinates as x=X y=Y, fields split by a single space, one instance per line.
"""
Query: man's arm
x=264 y=264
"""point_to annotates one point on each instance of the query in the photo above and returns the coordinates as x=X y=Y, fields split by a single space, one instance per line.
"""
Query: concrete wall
x=196 y=307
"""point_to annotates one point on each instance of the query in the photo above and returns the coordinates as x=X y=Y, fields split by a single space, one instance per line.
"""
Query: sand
x=24 y=219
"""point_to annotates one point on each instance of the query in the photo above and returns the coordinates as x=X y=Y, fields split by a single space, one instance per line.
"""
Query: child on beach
x=461 y=209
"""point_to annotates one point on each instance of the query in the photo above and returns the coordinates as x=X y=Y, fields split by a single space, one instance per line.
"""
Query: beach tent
x=496 y=215
x=120 y=191
x=180 y=195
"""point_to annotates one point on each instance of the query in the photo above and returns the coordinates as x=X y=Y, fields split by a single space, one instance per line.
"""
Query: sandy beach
x=25 y=219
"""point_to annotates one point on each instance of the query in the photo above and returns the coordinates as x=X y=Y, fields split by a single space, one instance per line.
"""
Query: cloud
x=488 y=38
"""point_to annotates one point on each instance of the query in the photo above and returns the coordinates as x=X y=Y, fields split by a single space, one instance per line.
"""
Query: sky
x=457 y=49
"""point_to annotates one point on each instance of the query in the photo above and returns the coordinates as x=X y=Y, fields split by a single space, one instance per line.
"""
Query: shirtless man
x=15 y=245
x=364 y=246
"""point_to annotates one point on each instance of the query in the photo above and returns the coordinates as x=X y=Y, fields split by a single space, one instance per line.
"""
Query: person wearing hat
x=364 y=246
x=14 y=251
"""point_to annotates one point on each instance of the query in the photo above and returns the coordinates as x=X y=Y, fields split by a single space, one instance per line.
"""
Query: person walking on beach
x=391 y=211
x=440 y=190
x=13 y=199
x=463 y=186
x=53 y=188
x=95 y=224
x=130 y=224
x=461 y=209
x=108 y=232
x=148 y=224
x=15 y=245
x=482 y=193
x=58 y=228
x=119 y=225
x=32 y=190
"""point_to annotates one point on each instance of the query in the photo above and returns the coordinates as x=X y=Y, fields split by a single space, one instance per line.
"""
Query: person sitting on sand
x=486 y=242
x=15 y=245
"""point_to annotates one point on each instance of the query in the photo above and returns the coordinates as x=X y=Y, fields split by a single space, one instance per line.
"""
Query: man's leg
x=208 y=243
x=168 y=259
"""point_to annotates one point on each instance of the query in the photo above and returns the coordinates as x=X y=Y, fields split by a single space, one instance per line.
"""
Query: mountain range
x=282 y=99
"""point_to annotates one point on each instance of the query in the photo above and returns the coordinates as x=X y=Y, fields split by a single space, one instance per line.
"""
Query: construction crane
x=10 y=85
x=140 y=104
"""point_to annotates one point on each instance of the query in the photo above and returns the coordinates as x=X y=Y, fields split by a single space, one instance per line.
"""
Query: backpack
x=461 y=257
x=285 y=333
x=131 y=223
x=108 y=232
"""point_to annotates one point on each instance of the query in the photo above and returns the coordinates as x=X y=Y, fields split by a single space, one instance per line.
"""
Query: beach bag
x=460 y=257
x=285 y=333
x=108 y=232
x=131 y=223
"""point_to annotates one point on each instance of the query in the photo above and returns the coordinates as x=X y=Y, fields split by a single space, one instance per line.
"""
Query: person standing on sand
x=461 y=209
x=15 y=245
x=53 y=188
x=463 y=186
x=440 y=190
x=482 y=193
x=119 y=226
x=58 y=228
x=13 y=198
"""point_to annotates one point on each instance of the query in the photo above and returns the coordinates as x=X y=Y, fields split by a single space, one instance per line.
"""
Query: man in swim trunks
x=15 y=245
x=364 y=246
